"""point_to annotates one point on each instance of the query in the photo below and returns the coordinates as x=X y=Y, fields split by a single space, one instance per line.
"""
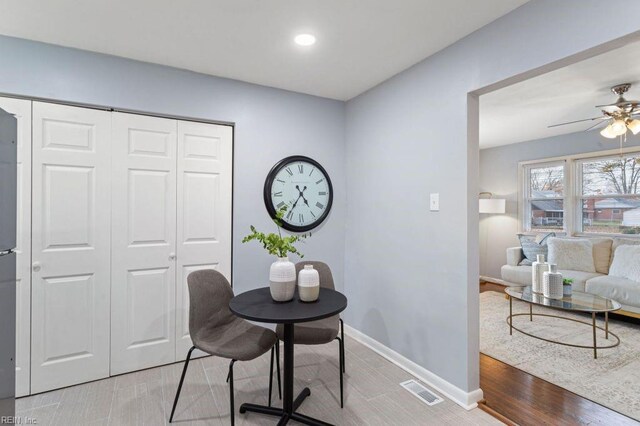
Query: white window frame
x=525 y=188
x=572 y=203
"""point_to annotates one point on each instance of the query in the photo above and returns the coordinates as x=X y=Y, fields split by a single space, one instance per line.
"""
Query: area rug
x=612 y=380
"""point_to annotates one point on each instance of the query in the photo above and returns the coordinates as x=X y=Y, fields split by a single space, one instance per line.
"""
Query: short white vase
x=308 y=284
x=537 y=269
x=282 y=280
x=552 y=286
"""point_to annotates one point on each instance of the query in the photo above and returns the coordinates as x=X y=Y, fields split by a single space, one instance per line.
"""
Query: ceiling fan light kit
x=618 y=116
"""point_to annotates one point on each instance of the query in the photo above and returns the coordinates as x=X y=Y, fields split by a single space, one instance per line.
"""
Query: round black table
x=257 y=305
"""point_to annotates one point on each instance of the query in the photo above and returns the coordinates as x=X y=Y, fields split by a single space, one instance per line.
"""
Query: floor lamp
x=490 y=205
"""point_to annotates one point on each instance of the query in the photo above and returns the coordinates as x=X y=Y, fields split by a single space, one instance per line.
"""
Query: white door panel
x=22 y=110
x=70 y=246
x=204 y=211
x=143 y=242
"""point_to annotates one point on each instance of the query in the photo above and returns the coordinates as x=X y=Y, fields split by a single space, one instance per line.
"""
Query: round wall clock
x=303 y=185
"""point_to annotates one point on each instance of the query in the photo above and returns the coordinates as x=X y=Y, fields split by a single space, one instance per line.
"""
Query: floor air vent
x=424 y=394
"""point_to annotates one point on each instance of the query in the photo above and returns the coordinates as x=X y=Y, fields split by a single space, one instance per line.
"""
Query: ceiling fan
x=618 y=116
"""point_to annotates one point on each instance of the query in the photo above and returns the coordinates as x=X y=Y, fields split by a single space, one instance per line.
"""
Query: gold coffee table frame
x=520 y=293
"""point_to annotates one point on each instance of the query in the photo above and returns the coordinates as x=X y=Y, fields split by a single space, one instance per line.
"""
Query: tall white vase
x=282 y=279
x=537 y=269
x=552 y=286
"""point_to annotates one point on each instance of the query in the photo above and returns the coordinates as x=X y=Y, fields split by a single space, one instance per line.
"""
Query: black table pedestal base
x=284 y=416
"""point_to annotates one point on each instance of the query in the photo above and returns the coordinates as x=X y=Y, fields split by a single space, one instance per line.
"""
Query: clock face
x=302 y=185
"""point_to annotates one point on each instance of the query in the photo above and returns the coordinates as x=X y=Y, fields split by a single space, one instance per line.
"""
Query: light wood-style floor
x=373 y=395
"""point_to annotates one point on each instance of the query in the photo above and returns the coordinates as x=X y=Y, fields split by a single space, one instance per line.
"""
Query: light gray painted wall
x=412 y=275
x=270 y=124
x=499 y=174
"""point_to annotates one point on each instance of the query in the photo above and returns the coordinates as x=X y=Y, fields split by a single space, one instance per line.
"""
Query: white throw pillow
x=626 y=263
x=573 y=254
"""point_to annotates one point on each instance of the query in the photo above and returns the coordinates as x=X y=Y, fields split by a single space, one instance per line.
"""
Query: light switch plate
x=434 y=202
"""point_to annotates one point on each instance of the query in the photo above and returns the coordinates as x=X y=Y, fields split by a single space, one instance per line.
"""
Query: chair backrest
x=326 y=278
x=209 y=296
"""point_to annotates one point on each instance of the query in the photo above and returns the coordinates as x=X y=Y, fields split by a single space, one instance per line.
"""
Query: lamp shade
x=492 y=205
x=634 y=126
x=608 y=132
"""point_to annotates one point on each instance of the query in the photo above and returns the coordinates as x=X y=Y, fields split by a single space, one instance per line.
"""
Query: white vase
x=552 y=286
x=282 y=279
x=537 y=269
x=308 y=284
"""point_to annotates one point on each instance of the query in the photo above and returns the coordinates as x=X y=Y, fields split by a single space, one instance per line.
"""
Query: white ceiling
x=360 y=43
x=523 y=111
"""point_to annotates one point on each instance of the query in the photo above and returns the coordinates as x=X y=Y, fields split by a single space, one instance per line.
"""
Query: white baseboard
x=467 y=400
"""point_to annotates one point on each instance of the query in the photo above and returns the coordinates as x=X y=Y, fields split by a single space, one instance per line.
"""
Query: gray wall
x=412 y=275
x=270 y=124
x=499 y=175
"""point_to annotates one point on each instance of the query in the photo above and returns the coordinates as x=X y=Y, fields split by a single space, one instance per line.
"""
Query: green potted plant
x=282 y=274
x=566 y=286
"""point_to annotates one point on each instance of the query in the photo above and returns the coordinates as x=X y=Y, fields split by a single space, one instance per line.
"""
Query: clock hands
x=302 y=195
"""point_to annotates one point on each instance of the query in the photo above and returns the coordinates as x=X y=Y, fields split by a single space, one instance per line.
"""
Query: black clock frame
x=269 y=182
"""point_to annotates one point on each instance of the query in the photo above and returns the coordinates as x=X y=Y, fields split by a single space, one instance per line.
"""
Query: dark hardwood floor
x=517 y=397
x=527 y=400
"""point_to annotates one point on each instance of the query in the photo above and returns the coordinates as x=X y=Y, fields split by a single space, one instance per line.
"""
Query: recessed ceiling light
x=305 y=39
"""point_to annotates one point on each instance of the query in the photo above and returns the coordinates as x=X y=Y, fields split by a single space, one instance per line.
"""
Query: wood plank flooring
x=528 y=400
x=373 y=395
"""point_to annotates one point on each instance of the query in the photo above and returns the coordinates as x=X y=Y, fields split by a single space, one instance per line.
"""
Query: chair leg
x=341 y=357
x=273 y=350
x=231 y=392
x=184 y=372
x=278 y=369
x=344 y=363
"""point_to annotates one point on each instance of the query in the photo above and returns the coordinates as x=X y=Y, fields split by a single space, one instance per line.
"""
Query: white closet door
x=70 y=246
x=204 y=210
x=22 y=110
x=143 y=242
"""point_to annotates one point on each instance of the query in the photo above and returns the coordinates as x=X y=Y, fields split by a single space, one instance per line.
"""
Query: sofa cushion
x=572 y=254
x=533 y=245
x=617 y=242
x=521 y=275
x=602 y=254
x=626 y=263
x=622 y=290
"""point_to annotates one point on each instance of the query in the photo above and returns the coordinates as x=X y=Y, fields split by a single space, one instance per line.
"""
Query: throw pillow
x=601 y=254
x=617 y=242
x=626 y=263
x=573 y=254
x=533 y=245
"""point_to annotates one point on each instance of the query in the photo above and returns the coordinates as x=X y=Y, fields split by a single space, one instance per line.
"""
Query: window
x=589 y=194
x=610 y=194
x=544 y=204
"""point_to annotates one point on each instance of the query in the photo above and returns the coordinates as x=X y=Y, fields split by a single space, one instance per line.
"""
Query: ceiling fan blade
x=596 y=126
x=579 y=121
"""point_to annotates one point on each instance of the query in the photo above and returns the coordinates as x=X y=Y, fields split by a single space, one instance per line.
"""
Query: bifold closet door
x=143 y=242
x=70 y=246
x=204 y=211
x=22 y=110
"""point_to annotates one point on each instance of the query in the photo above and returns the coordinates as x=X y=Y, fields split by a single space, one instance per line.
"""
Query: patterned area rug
x=612 y=380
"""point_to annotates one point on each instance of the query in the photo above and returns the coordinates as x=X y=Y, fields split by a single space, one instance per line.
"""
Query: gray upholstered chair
x=216 y=331
x=321 y=331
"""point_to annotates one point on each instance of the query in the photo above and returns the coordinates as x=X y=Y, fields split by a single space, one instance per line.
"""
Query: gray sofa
x=622 y=290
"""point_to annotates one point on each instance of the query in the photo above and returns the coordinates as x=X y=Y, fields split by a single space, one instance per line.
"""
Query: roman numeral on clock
x=320 y=205
x=290 y=214
x=319 y=181
x=300 y=168
x=280 y=205
x=289 y=171
x=280 y=180
x=278 y=194
x=301 y=218
x=322 y=193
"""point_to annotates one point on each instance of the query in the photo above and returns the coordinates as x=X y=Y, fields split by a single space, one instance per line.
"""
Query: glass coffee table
x=577 y=302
